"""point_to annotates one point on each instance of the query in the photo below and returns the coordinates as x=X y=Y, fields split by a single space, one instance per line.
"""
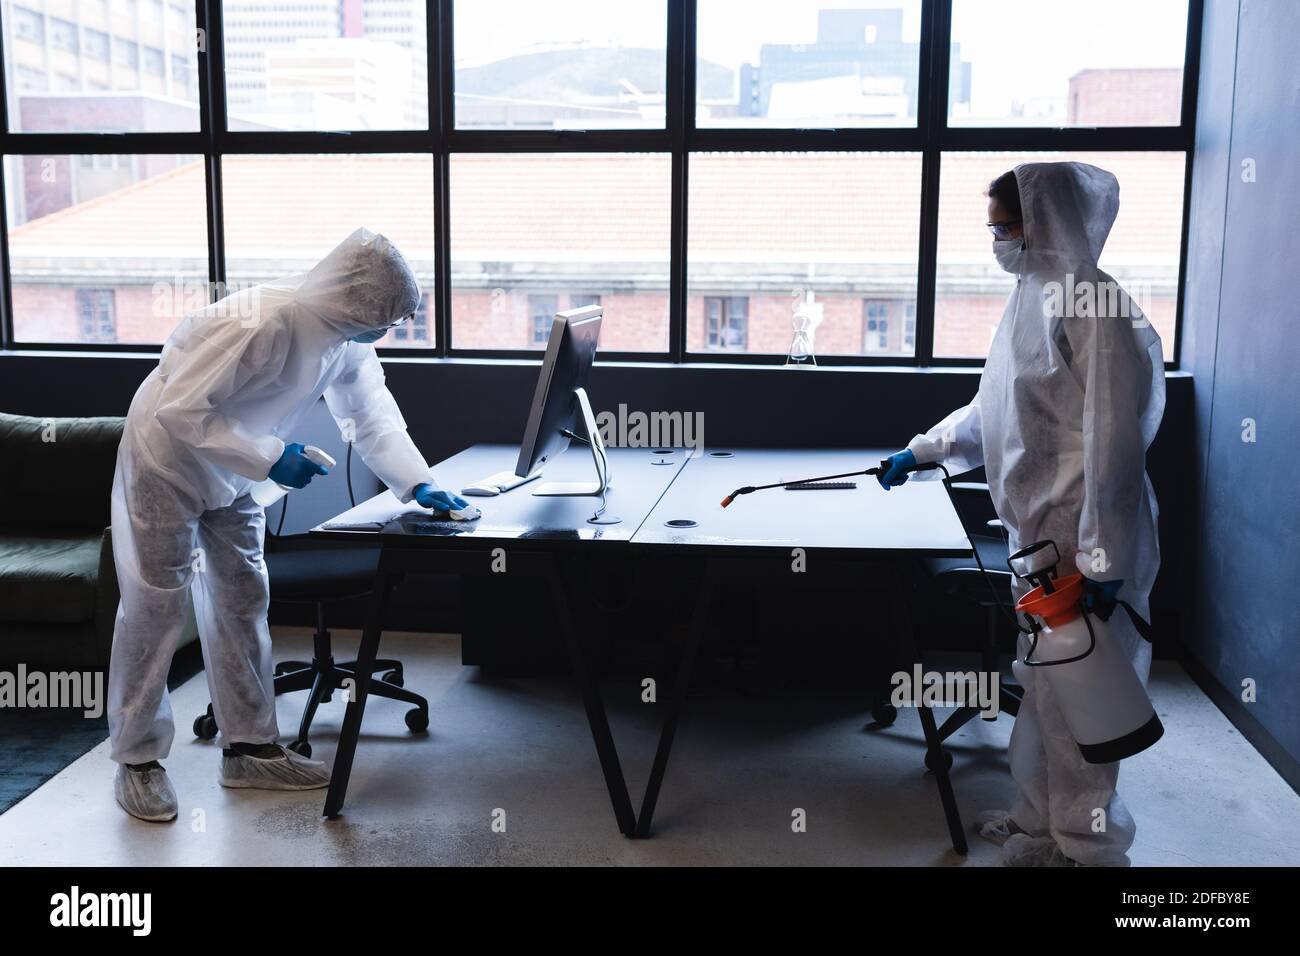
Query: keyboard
x=495 y=484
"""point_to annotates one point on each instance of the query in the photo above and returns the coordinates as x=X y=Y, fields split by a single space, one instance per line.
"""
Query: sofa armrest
x=106 y=600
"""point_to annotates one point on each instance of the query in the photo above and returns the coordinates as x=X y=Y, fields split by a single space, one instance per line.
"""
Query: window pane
x=776 y=239
x=562 y=64
x=567 y=226
x=344 y=64
x=101 y=66
x=284 y=213
x=1063 y=63
x=105 y=248
x=1141 y=253
x=829 y=63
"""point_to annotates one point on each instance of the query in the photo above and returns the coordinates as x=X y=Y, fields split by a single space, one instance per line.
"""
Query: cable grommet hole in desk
x=722 y=454
x=680 y=523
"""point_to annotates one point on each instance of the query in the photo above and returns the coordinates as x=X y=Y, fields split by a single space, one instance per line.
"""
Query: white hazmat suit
x=1069 y=401
x=234 y=381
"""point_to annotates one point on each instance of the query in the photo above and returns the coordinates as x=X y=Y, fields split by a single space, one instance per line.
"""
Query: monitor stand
x=599 y=458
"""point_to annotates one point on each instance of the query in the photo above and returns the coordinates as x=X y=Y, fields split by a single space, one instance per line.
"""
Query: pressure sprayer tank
x=1105 y=706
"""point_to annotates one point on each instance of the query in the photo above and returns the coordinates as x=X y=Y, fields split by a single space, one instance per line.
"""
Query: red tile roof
x=743 y=206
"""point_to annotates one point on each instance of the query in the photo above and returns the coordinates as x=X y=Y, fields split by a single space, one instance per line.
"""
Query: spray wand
x=877 y=470
x=880 y=470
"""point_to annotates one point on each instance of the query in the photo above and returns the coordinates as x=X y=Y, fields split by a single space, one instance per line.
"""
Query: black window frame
x=679 y=138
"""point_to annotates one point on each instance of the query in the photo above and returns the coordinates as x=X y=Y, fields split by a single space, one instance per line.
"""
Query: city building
x=858 y=69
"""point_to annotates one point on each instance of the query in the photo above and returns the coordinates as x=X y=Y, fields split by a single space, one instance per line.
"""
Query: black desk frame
x=846 y=569
x=396 y=560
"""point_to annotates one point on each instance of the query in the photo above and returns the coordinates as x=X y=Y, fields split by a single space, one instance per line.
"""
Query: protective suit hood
x=364 y=283
x=237 y=376
x=1067 y=211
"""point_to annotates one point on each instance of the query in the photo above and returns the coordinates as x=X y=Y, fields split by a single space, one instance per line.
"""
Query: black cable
x=604 y=465
x=1092 y=646
x=351 y=497
x=604 y=480
x=284 y=501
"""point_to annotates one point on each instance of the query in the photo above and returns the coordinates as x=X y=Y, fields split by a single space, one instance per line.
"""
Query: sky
x=1020 y=49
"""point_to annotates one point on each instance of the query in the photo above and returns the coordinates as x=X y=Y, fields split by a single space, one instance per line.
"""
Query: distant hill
x=558 y=74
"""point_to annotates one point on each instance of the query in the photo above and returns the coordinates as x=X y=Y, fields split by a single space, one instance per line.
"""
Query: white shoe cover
x=1024 y=850
x=997 y=827
x=145 y=794
x=288 y=771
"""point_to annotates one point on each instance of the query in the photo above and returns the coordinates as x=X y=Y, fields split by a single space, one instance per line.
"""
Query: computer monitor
x=560 y=406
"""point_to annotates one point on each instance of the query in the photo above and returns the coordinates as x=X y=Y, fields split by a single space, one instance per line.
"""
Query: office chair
x=303 y=572
x=962 y=579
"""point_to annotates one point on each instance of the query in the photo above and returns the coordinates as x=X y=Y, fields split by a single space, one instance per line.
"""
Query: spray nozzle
x=1037 y=572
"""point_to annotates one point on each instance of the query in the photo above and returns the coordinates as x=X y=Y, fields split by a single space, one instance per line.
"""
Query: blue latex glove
x=431 y=496
x=294 y=469
x=1099 y=596
x=898 y=465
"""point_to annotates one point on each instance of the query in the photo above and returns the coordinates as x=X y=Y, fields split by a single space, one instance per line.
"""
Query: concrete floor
x=742 y=765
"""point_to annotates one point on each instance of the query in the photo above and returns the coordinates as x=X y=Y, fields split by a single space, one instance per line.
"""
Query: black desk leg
x=933 y=742
x=366 y=655
x=694 y=634
x=597 y=719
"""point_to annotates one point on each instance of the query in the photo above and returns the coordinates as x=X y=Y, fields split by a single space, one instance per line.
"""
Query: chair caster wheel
x=301 y=748
x=205 y=726
x=929 y=761
x=393 y=677
x=417 y=720
x=884 y=714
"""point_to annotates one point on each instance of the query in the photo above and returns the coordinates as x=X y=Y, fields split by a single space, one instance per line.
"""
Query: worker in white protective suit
x=1070 y=399
x=217 y=415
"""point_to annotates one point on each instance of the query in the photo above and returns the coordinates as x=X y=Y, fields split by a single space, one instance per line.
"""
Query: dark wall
x=1241 y=319
x=450 y=405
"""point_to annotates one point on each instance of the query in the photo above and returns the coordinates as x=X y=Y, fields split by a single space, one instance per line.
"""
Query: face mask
x=374 y=335
x=1007 y=252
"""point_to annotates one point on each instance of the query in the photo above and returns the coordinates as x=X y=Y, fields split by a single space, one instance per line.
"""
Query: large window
x=528 y=228
x=716 y=174
x=804 y=237
x=283 y=213
x=1142 y=251
x=1103 y=63
x=560 y=64
x=104 y=248
x=312 y=65
x=829 y=63
x=87 y=76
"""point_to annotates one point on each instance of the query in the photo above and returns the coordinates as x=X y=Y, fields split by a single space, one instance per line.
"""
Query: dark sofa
x=58 y=587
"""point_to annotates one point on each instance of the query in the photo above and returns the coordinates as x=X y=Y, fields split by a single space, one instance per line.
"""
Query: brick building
x=532 y=234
